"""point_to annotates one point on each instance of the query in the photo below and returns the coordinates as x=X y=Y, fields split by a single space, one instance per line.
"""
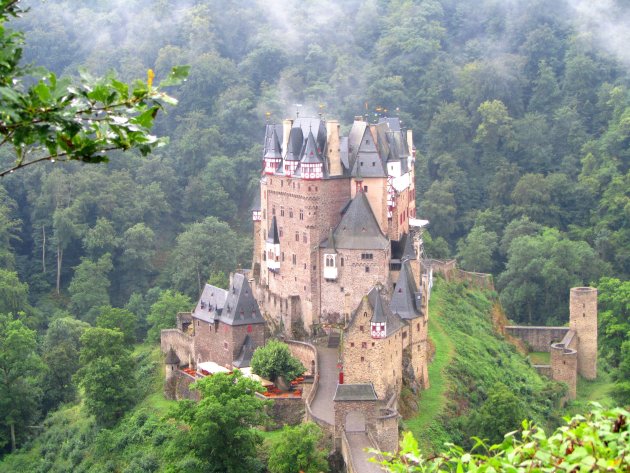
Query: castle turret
x=273 y=151
x=311 y=165
x=170 y=382
x=583 y=320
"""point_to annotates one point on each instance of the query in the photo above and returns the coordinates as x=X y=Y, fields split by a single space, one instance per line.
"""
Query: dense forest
x=521 y=119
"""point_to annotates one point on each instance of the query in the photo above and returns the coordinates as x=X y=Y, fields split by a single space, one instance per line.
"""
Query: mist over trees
x=520 y=112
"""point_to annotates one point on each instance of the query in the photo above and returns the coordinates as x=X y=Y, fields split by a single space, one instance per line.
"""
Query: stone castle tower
x=583 y=321
x=333 y=218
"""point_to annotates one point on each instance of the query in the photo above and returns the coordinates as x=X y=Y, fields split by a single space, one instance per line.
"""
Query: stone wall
x=286 y=411
x=564 y=367
x=537 y=338
x=583 y=320
x=178 y=387
x=386 y=430
x=355 y=276
x=544 y=370
x=342 y=408
x=306 y=353
x=181 y=342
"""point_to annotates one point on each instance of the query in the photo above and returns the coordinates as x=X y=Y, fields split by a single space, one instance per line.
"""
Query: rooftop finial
x=297 y=110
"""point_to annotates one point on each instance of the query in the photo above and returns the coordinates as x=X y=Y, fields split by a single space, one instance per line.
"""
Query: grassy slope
x=471 y=359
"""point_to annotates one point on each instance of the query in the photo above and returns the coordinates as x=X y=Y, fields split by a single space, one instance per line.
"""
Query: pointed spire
x=379 y=312
x=273 y=232
x=171 y=357
x=273 y=151
x=311 y=154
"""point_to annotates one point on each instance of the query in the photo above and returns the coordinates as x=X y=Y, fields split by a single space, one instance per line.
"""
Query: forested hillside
x=521 y=119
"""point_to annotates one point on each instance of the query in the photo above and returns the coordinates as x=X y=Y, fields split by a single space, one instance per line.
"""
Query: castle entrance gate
x=355 y=422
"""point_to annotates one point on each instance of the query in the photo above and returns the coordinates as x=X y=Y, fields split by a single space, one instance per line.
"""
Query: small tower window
x=304 y=238
x=282 y=211
x=301 y=214
x=290 y=213
x=367 y=269
x=297 y=236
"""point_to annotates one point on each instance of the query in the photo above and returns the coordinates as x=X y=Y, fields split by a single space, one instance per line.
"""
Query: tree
x=438 y=205
x=106 y=374
x=476 y=251
x=502 y=412
x=274 y=360
x=164 y=311
x=298 y=450
x=222 y=433
x=118 y=319
x=58 y=119
x=202 y=249
x=540 y=271
x=20 y=369
x=614 y=332
x=13 y=293
x=61 y=356
x=89 y=286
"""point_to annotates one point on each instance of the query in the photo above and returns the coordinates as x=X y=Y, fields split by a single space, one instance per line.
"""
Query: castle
x=337 y=248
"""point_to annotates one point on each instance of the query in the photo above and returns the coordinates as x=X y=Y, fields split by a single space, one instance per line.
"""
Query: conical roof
x=358 y=228
x=273 y=236
x=404 y=297
x=295 y=145
x=274 y=150
x=382 y=313
x=368 y=162
x=311 y=154
x=171 y=357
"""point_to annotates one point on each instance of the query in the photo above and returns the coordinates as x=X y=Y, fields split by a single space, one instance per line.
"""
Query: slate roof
x=273 y=236
x=382 y=313
x=236 y=306
x=368 y=162
x=354 y=140
x=358 y=228
x=245 y=354
x=270 y=130
x=355 y=392
x=403 y=248
x=295 y=145
x=273 y=148
x=256 y=202
x=406 y=299
x=171 y=357
x=311 y=153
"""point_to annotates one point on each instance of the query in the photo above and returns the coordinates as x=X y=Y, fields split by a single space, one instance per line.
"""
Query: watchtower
x=583 y=321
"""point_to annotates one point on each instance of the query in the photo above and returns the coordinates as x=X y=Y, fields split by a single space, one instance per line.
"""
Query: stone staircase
x=333 y=339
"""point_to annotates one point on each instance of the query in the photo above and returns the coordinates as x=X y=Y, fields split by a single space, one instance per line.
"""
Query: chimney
x=410 y=143
x=287 y=123
x=334 y=150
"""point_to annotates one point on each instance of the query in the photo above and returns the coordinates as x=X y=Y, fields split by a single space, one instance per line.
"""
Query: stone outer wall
x=285 y=411
x=583 y=320
x=181 y=342
x=352 y=279
x=564 y=367
x=537 y=338
x=178 y=385
x=306 y=353
x=366 y=359
x=544 y=370
x=386 y=430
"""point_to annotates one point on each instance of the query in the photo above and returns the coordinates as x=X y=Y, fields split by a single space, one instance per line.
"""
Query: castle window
x=360 y=328
x=361 y=163
x=362 y=358
x=351 y=344
x=373 y=344
x=367 y=269
x=341 y=289
x=281 y=183
x=249 y=327
x=283 y=256
x=342 y=261
x=418 y=326
x=301 y=214
x=365 y=189
x=373 y=164
x=264 y=256
x=294 y=259
x=280 y=232
x=304 y=238
x=297 y=236
x=363 y=344
x=290 y=213
x=273 y=210
x=330 y=261
x=282 y=211
x=225 y=345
